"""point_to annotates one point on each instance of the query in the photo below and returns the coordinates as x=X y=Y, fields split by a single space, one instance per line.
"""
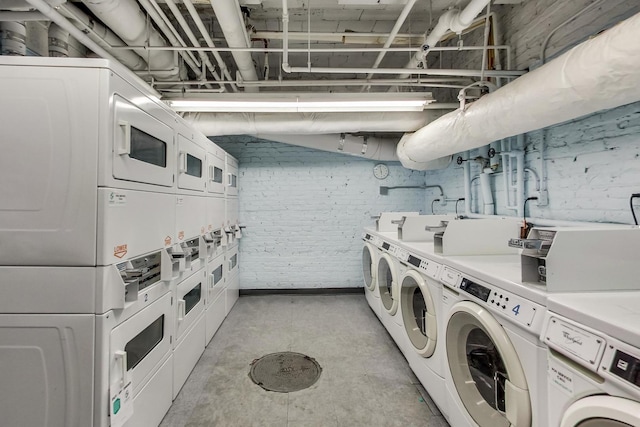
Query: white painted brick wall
x=305 y=210
x=592 y=164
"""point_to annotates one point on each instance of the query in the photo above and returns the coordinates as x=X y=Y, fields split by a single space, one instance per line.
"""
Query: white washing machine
x=594 y=359
x=421 y=310
x=389 y=272
x=496 y=364
x=370 y=254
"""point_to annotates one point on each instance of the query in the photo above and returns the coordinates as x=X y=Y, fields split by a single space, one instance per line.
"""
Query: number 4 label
x=516 y=309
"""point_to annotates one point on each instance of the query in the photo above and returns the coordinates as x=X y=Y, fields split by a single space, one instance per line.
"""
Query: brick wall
x=592 y=164
x=305 y=210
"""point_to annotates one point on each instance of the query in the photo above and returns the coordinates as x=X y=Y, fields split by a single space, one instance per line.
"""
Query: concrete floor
x=365 y=379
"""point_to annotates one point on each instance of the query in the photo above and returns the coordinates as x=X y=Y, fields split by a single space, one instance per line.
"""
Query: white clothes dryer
x=370 y=254
x=494 y=358
x=594 y=359
x=421 y=310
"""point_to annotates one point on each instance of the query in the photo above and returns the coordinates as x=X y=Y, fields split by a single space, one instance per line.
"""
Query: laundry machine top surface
x=616 y=314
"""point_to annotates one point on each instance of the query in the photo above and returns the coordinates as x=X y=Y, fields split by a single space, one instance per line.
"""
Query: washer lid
x=602 y=411
x=485 y=368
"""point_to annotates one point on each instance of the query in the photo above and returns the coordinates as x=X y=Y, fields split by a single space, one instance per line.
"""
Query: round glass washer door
x=368 y=266
x=388 y=284
x=602 y=411
x=418 y=313
x=485 y=368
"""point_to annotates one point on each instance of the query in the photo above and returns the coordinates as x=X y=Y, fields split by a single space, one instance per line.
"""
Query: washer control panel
x=374 y=240
x=429 y=268
x=506 y=303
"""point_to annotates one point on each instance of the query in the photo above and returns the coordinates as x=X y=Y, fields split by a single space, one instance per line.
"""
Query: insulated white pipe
x=598 y=74
x=8 y=16
x=58 y=41
x=213 y=124
x=230 y=20
x=102 y=36
x=485 y=188
x=371 y=148
x=520 y=182
x=125 y=18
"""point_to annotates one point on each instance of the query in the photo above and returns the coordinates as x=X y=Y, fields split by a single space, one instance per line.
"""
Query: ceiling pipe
x=230 y=19
x=598 y=74
x=451 y=20
x=217 y=124
x=194 y=41
x=13 y=38
x=224 y=71
x=125 y=18
x=161 y=20
x=102 y=36
x=10 y=16
x=392 y=35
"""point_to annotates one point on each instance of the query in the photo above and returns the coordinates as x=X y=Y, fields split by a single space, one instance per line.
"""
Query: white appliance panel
x=187 y=353
x=46 y=374
x=191 y=217
x=48 y=171
x=215 y=279
x=232 y=176
x=189 y=302
x=133 y=222
x=154 y=399
x=192 y=163
x=143 y=146
x=140 y=343
x=216 y=312
x=215 y=170
x=232 y=293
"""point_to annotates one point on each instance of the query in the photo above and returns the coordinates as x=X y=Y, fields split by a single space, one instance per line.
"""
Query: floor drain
x=285 y=372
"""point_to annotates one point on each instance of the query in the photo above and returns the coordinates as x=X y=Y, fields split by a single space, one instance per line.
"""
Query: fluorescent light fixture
x=312 y=103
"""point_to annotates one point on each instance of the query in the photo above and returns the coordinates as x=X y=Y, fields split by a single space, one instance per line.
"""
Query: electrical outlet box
x=543 y=198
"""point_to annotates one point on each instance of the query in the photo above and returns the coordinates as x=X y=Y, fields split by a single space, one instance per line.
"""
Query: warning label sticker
x=117 y=199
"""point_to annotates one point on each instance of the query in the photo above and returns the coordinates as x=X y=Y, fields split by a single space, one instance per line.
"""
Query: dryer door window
x=144 y=342
x=485 y=368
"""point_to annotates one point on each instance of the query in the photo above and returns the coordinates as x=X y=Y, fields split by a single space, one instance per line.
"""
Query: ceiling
x=333 y=46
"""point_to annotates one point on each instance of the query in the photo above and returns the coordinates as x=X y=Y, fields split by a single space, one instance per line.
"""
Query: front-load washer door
x=418 y=313
x=602 y=411
x=369 y=266
x=190 y=302
x=388 y=284
x=485 y=368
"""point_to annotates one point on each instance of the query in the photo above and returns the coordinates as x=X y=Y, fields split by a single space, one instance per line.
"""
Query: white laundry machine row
x=594 y=359
x=495 y=361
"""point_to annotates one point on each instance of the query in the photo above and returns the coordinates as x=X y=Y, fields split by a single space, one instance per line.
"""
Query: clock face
x=380 y=171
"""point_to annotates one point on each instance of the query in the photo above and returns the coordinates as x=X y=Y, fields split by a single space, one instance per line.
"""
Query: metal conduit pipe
x=598 y=74
x=58 y=41
x=102 y=36
x=230 y=20
x=9 y=16
x=224 y=71
x=392 y=35
x=158 y=16
x=125 y=18
x=194 y=40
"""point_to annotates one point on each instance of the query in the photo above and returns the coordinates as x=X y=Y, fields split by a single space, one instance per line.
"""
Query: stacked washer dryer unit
x=190 y=249
x=88 y=215
x=215 y=298
x=233 y=233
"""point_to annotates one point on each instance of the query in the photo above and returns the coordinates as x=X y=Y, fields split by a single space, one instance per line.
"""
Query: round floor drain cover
x=285 y=372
